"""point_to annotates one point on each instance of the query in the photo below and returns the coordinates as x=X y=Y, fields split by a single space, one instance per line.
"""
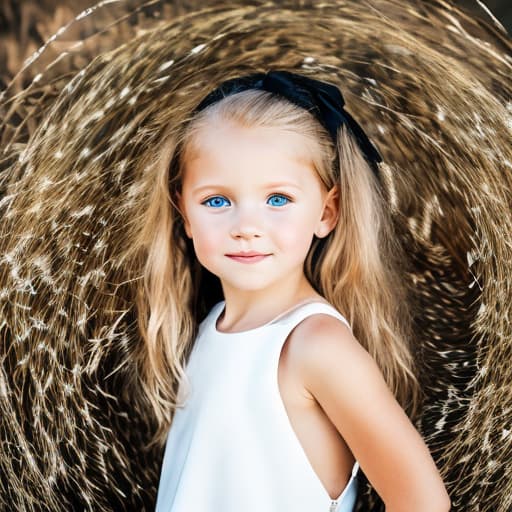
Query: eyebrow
x=280 y=184
x=268 y=186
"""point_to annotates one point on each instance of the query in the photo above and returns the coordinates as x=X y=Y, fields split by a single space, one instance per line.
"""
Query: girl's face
x=251 y=202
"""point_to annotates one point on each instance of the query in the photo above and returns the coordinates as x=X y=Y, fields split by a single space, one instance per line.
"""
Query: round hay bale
x=430 y=84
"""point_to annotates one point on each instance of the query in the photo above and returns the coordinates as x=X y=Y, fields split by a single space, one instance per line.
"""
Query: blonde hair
x=355 y=267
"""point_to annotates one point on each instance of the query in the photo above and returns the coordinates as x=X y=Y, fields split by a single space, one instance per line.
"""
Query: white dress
x=232 y=448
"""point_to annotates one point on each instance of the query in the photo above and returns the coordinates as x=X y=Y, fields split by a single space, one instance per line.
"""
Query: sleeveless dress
x=231 y=447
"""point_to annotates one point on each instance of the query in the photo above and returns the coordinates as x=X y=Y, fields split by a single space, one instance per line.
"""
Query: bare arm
x=348 y=385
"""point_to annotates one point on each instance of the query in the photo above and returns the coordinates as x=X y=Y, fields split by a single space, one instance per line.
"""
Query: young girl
x=274 y=319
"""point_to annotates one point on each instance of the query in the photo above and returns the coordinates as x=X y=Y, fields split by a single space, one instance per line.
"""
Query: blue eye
x=277 y=200
x=216 y=202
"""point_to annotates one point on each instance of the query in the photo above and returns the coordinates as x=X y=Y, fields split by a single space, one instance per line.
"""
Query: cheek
x=297 y=244
x=206 y=236
x=294 y=234
x=204 y=240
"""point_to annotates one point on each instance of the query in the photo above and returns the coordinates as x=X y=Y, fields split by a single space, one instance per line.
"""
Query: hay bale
x=431 y=86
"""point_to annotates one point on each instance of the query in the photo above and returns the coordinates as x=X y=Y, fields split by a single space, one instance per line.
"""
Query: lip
x=247 y=257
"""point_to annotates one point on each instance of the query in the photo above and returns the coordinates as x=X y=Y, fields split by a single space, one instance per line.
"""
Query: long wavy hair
x=355 y=268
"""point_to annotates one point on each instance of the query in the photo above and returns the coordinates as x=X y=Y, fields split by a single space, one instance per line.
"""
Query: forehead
x=224 y=148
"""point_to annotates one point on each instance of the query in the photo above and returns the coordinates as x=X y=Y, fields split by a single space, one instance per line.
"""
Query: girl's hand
x=348 y=385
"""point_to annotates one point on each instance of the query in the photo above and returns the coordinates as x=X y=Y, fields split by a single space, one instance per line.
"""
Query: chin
x=248 y=284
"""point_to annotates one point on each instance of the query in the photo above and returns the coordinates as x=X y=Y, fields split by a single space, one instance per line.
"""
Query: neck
x=246 y=309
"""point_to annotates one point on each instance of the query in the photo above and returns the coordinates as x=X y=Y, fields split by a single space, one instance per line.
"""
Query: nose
x=246 y=224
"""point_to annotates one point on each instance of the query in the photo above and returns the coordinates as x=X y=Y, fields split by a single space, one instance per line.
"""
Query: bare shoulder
x=322 y=325
x=322 y=342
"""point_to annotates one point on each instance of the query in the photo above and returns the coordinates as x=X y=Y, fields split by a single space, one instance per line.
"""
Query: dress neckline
x=222 y=306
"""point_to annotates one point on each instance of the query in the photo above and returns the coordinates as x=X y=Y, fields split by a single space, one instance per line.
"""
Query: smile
x=247 y=257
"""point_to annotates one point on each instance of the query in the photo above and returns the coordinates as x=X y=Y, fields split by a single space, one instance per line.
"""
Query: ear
x=186 y=223
x=330 y=213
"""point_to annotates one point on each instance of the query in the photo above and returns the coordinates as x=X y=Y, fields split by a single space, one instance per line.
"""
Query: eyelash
x=207 y=202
